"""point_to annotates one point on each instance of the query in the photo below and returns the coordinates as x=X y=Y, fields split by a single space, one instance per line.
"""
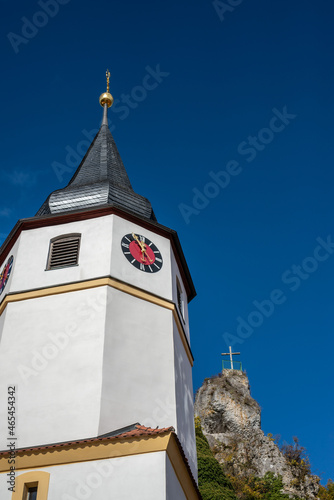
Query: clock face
x=141 y=253
x=4 y=276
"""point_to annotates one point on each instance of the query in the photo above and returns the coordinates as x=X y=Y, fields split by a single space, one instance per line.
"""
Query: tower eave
x=108 y=209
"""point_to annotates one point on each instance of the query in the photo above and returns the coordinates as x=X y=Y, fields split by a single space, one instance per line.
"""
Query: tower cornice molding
x=99 y=282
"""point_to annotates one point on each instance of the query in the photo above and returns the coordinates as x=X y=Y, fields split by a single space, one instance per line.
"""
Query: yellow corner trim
x=30 y=479
x=118 y=285
x=180 y=469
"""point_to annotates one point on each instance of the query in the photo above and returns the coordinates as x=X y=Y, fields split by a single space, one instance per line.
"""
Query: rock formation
x=231 y=421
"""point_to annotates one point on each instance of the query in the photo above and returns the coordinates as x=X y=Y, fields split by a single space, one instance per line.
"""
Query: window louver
x=179 y=298
x=64 y=252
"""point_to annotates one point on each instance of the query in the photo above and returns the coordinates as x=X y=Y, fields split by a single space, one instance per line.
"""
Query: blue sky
x=228 y=131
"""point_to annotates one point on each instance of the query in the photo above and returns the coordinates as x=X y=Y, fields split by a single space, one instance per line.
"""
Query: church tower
x=96 y=396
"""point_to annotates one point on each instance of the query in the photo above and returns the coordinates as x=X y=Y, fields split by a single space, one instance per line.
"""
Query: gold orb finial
x=106 y=97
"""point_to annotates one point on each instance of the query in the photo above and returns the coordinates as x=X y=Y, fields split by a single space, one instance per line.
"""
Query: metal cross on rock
x=230 y=354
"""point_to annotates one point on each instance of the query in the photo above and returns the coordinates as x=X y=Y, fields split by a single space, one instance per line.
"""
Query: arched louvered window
x=64 y=251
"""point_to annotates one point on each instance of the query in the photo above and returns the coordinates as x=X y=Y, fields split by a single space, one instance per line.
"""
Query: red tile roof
x=141 y=430
x=135 y=431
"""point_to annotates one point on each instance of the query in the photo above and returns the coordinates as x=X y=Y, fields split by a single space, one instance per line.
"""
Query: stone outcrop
x=231 y=421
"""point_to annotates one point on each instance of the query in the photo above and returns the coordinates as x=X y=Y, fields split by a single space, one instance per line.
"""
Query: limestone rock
x=231 y=421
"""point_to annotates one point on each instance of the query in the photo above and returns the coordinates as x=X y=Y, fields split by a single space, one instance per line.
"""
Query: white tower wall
x=54 y=356
x=89 y=361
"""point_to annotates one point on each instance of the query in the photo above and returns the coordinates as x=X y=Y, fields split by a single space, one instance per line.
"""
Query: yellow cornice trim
x=84 y=452
x=106 y=281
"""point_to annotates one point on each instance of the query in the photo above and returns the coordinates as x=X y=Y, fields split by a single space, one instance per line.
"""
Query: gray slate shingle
x=100 y=179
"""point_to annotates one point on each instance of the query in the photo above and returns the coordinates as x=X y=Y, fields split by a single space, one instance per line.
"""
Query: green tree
x=212 y=482
x=327 y=492
x=252 y=487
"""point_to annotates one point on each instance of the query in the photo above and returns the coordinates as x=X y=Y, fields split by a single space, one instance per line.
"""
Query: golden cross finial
x=108 y=76
x=106 y=97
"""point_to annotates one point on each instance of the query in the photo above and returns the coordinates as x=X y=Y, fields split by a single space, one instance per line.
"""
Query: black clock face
x=141 y=253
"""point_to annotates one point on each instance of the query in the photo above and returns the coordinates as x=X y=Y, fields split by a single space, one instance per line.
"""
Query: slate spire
x=100 y=179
